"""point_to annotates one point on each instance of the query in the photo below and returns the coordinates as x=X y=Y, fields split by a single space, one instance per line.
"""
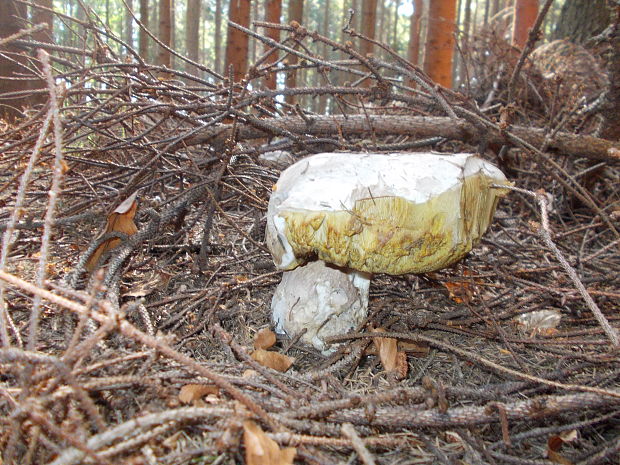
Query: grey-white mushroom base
x=334 y=219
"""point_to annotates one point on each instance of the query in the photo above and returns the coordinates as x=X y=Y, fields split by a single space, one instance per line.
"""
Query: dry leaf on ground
x=192 y=392
x=273 y=360
x=260 y=449
x=555 y=443
x=120 y=220
x=391 y=358
x=264 y=339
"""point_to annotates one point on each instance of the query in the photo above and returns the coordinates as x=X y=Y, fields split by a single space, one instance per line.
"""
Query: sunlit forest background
x=394 y=25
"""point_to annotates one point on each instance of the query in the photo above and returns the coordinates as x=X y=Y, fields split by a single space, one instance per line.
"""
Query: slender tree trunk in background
x=273 y=12
x=129 y=24
x=611 y=124
x=253 y=17
x=440 y=41
x=581 y=19
x=44 y=16
x=524 y=16
x=467 y=21
x=143 y=39
x=218 y=36
x=173 y=33
x=474 y=23
x=494 y=7
x=41 y=16
x=237 y=42
x=295 y=13
x=369 y=20
x=381 y=22
x=487 y=6
x=165 y=32
x=394 y=43
x=11 y=14
x=192 y=31
x=356 y=6
x=413 y=50
x=325 y=52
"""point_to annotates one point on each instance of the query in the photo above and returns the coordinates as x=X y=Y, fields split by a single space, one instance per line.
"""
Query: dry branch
x=413 y=126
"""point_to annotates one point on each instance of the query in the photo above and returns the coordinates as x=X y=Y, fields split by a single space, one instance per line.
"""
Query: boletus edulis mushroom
x=336 y=218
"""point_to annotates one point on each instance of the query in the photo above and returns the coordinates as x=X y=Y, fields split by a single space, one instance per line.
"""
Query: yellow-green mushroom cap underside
x=382 y=213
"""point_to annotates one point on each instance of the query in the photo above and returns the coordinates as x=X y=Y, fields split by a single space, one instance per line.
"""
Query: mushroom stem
x=318 y=300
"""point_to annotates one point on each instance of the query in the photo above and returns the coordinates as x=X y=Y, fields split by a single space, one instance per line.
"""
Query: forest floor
x=148 y=359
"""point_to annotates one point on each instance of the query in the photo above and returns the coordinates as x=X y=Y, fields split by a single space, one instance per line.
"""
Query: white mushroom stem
x=317 y=300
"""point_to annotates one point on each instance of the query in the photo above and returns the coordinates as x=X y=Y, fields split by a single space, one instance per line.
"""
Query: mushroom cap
x=381 y=213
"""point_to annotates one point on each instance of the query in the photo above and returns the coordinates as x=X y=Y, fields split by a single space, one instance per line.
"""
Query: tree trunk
x=295 y=13
x=494 y=7
x=524 y=16
x=440 y=41
x=44 y=16
x=254 y=16
x=611 y=125
x=165 y=32
x=273 y=12
x=129 y=24
x=192 y=31
x=11 y=20
x=218 y=36
x=467 y=21
x=369 y=19
x=325 y=32
x=413 y=51
x=237 y=42
x=394 y=42
x=582 y=19
x=143 y=40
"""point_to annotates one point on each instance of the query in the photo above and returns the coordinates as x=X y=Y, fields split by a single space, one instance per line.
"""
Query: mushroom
x=350 y=215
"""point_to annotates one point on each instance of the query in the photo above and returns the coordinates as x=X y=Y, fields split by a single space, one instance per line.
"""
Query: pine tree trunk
x=524 y=16
x=129 y=24
x=217 y=44
x=413 y=50
x=326 y=15
x=582 y=19
x=165 y=32
x=237 y=42
x=273 y=12
x=369 y=20
x=144 y=38
x=295 y=13
x=611 y=125
x=494 y=7
x=467 y=21
x=44 y=16
x=192 y=31
x=394 y=42
x=11 y=14
x=440 y=41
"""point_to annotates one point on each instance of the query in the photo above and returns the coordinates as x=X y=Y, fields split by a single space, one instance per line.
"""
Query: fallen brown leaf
x=260 y=449
x=264 y=339
x=392 y=360
x=120 y=220
x=273 y=360
x=555 y=443
x=192 y=392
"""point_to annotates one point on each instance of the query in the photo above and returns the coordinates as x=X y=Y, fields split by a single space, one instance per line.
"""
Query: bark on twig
x=415 y=126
